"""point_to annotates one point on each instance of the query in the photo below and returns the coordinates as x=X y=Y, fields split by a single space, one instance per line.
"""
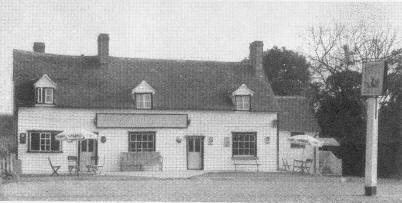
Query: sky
x=195 y=30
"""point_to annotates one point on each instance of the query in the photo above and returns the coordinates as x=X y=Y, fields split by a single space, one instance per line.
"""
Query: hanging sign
x=373 y=78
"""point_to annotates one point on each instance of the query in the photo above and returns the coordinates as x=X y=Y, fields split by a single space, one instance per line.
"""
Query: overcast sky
x=212 y=30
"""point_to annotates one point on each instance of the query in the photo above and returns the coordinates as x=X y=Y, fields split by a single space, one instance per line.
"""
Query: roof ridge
x=128 y=58
x=290 y=97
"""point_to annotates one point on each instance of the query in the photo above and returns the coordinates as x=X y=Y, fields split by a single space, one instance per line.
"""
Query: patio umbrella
x=76 y=134
x=305 y=140
x=70 y=135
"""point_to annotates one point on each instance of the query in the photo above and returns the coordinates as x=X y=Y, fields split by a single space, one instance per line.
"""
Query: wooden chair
x=298 y=166
x=307 y=165
x=285 y=165
x=72 y=164
x=97 y=167
x=54 y=168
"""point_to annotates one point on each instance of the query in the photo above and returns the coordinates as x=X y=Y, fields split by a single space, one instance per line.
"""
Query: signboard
x=373 y=78
x=116 y=120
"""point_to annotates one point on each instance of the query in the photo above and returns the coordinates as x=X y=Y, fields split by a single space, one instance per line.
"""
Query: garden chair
x=285 y=165
x=54 y=168
x=307 y=165
x=72 y=164
x=96 y=168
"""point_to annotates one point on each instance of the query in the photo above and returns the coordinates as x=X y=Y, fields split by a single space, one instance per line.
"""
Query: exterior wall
x=206 y=123
x=290 y=154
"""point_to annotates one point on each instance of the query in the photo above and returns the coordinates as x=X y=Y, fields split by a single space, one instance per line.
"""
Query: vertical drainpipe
x=277 y=142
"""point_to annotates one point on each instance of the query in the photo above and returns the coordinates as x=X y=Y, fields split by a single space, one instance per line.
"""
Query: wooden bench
x=245 y=160
x=135 y=161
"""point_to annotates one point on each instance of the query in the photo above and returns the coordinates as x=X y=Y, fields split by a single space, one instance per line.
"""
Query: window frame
x=41 y=94
x=42 y=137
x=254 y=134
x=296 y=146
x=143 y=101
x=142 y=141
x=240 y=98
x=45 y=95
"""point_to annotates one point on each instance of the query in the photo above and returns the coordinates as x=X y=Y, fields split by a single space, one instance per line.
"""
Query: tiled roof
x=83 y=82
x=296 y=114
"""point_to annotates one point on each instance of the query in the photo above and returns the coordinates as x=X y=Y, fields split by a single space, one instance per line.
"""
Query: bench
x=135 y=161
x=245 y=160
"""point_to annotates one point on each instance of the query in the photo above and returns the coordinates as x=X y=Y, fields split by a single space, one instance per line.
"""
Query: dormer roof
x=143 y=87
x=243 y=90
x=45 y=81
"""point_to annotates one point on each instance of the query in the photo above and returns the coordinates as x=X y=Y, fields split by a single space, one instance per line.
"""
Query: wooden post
x=371 y=147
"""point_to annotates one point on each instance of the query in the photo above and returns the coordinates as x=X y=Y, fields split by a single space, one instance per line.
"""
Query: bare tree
x=340 y=47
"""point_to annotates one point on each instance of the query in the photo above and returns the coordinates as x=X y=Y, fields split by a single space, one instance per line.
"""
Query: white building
x=198 y=115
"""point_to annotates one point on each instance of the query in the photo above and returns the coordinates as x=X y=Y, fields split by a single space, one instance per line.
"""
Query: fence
x=9 y=165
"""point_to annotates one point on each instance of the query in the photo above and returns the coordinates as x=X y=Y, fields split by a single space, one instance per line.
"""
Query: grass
x=228 y=186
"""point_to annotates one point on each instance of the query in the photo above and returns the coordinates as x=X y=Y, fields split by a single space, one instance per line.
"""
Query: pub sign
x=373 y=78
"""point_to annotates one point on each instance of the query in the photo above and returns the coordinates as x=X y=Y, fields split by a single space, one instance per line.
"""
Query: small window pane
x=91 y=145
x=48 y=95
x=35 y=141
x=197 y=145
x=84 y=146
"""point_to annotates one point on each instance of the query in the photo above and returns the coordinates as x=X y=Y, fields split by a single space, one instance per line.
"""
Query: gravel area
x=223 y=187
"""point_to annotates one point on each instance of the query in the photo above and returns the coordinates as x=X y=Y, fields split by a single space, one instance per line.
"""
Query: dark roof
x=296 y=114
x=83 y=82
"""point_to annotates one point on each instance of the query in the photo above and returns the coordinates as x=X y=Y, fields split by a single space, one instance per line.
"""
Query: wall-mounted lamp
x=23 y=138
x=103 y=139
x=178 y=139
x=210 y=140
x=267 y=140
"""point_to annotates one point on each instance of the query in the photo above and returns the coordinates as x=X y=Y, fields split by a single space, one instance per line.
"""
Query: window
x=43 y=142
x=296 y=146
x=141 y=141
x=44 y=95
x=88 y=145
x=39 y=95
x=143 y=101
x=244 y=144
x=243 y=103
x=48 y=95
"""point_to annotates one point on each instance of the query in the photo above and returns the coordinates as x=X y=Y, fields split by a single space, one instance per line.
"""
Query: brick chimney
x=103 y=47
x=39 y=47
x=256 y=54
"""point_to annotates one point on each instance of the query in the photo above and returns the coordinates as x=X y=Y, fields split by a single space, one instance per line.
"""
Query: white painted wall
x=216 y=124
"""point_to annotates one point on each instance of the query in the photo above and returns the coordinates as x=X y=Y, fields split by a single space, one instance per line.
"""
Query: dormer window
x=143 y=100
x=143 y=95
x=44 y=90
x=44 y=95
x=242 y=98
x=242 y=102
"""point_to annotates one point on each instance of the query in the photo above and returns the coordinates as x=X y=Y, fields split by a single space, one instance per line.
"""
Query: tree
x=287 y=71
x=336 y=55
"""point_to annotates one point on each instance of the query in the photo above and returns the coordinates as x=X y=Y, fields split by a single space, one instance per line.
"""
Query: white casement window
x=242 y=103
x=43 y=142
x=39 y=95
x=143 y=101
x=244 y=144
x=141 y=141
x=48 y=95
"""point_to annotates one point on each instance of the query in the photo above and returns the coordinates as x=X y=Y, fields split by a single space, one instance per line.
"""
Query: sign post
x=372 y=87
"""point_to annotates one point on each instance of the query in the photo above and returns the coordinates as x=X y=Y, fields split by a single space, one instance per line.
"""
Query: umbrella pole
x=78 y=158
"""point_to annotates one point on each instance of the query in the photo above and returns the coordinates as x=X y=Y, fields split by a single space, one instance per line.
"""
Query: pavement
x=158 y=174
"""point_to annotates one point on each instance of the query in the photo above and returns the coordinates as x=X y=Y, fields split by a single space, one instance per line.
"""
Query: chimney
x=103 y=47
x=39 y=47
x=256 y=54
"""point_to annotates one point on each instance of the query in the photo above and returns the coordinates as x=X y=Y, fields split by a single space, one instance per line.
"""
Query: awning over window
x=331 y=142
x=112 y=120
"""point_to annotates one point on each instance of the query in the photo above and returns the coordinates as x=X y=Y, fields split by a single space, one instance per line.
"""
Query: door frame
x=202 y=151
x=96 y=144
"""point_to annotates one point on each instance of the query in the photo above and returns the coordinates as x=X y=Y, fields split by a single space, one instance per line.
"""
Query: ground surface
x=262 y=187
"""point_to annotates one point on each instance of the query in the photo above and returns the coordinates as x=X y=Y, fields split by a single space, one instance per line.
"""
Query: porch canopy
x=114 y=120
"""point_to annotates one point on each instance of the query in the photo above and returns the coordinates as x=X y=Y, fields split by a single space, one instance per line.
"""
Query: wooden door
x=195 y=153
x=88 y=153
